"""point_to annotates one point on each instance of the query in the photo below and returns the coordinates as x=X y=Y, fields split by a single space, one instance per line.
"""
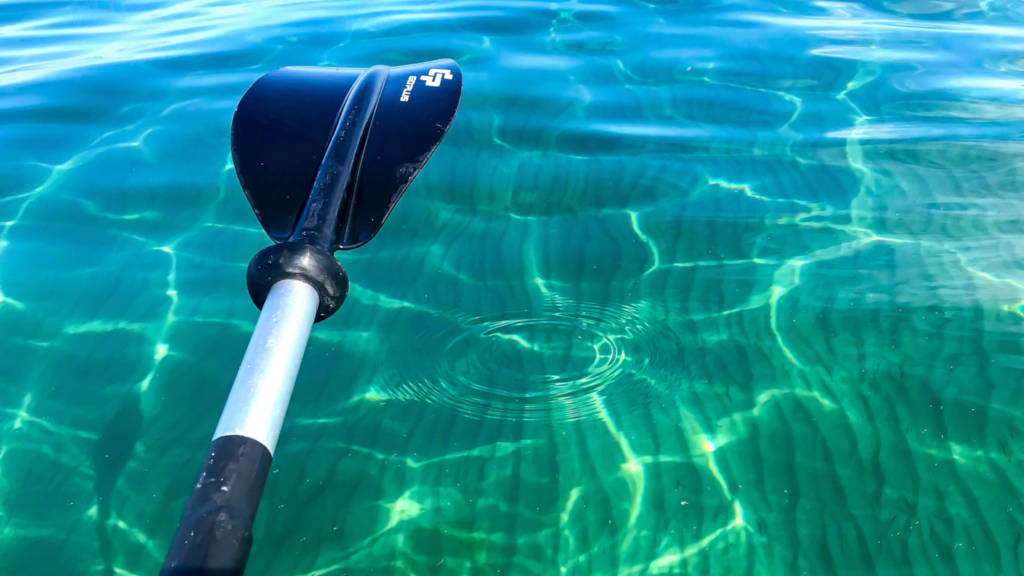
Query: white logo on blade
x=408 y=88
x=433 y=79
x=435 y=75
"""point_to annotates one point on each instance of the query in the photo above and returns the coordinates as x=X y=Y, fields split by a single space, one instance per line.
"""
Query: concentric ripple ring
x=554 y=363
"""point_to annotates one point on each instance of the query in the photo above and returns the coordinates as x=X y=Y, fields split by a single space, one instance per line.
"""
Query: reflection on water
x=703 y=287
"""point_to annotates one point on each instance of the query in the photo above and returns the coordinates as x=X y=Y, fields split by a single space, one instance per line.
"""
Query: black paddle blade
x=286 y=120
x=279 y=135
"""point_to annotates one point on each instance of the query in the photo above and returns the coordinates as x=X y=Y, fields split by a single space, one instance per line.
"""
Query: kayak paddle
x=323 y=155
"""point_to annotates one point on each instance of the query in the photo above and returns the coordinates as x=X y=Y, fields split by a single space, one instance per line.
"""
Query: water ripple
x=559 y=362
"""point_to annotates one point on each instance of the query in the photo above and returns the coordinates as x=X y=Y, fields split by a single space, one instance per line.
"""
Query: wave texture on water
x=712 y=287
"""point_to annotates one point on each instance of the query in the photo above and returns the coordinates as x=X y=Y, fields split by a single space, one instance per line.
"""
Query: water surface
x=717 y=287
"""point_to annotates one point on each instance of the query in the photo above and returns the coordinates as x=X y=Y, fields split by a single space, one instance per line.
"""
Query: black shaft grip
x=215 y=533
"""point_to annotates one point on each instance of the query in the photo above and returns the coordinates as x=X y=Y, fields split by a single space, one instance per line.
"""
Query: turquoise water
x=714 y=287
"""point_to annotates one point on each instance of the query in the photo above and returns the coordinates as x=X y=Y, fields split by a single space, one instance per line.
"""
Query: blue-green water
x=712 y=287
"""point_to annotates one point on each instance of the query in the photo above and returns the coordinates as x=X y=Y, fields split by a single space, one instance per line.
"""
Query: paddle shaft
x=215 y=532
